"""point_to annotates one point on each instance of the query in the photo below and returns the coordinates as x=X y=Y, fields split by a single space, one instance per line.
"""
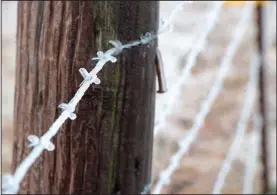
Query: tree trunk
x=107 y=149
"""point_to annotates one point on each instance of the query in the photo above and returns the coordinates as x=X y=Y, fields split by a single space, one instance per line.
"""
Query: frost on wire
x=11 y=183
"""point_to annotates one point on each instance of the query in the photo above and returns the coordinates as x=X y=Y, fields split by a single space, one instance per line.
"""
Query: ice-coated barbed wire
x=191 y=136
x=11 y=183
x=175 y=90
x=251 y=161
x=241 y=127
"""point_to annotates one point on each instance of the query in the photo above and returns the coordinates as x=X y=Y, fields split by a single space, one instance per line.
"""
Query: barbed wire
x=11 y=183
x=186 y=142
x=241 y=127
x=197 y=48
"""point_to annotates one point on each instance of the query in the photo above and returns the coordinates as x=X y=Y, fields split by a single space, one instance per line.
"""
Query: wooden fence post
x=107 y=149
x=262 y=96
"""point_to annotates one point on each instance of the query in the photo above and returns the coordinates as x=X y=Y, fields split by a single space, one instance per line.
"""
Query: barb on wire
x=186 y=142
x=175 y=90
x=11 y=183
x=251 y=162
x=241 y=127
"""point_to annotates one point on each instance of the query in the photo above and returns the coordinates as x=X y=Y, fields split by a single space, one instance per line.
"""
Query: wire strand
x=251 y=162
x=11 y=183
x=241 y=128
x=186 y=142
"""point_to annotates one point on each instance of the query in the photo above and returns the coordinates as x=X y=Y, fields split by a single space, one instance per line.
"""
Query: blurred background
x=200 y=166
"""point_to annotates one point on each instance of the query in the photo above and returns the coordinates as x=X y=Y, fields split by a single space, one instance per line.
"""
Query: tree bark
x=107 y=149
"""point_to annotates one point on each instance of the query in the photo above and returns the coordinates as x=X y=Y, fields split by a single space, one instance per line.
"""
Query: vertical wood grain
x=108 y=148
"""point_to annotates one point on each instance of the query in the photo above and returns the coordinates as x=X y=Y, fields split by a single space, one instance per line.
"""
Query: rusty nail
x=160 y=72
